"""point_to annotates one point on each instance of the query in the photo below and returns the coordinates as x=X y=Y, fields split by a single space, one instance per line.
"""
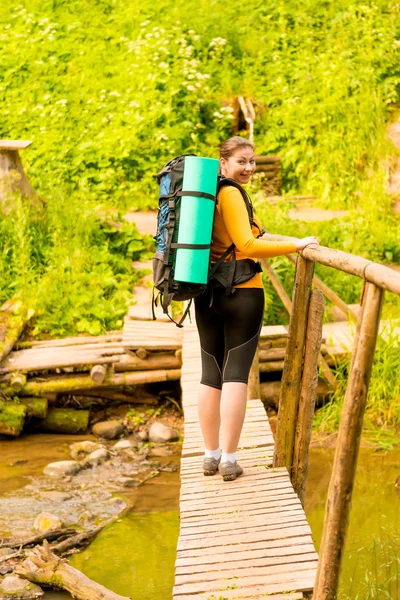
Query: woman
x=229 y=324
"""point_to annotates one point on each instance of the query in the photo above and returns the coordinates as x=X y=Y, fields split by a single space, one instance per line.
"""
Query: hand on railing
x=301 y=244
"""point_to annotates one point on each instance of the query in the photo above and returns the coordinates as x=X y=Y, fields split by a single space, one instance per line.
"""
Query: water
x=135 y=555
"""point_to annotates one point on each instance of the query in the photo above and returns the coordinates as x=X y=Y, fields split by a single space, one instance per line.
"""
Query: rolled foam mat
x=196 y=219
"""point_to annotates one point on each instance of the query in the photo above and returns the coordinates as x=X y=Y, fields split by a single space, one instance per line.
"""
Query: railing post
x=253 y=386
x=308 y=394
x=342 y=480
x=291 y=377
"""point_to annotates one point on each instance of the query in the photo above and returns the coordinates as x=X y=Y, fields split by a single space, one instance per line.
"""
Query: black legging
x=229 y=332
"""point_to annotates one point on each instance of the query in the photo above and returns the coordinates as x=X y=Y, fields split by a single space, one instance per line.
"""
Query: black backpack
x=221 y=274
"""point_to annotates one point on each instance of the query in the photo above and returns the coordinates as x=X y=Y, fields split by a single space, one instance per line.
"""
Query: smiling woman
x=229 y=314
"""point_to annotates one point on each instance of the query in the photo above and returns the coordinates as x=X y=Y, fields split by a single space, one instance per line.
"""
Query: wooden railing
x=298 y=390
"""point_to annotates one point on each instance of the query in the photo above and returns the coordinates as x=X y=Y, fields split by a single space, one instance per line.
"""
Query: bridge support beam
x=340 y=491
x=292 y=373
x=308 y=395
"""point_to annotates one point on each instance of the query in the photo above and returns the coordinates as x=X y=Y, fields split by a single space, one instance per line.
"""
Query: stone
x=123 y=445
x=161 y=451
x=16 y=588
x=85 y=447
x=160 y=433
x=96 y=457
x=109 y=430
x=47 y=522
x=129 y=482
x=56 y=497
x=143 y=436
x=62 y=467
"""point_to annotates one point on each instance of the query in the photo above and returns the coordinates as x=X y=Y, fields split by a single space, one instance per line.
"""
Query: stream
x=135 y=555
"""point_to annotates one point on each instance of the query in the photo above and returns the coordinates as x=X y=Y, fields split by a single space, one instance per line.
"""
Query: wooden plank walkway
x=243 y=539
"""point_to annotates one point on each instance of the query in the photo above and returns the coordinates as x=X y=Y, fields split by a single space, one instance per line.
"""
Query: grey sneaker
x=210 y=465
x=230 y=471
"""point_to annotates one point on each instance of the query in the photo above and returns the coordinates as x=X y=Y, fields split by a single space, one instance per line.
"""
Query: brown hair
x=228 y=148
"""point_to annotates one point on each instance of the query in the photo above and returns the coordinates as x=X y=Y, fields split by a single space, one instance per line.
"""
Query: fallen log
x=36 y=539
x=65 y=420
x=12 y=418
x=70 y=383
x=135 y=397
x=270 y=391
x=45 y=568
x=35 y=407
x=155 y=361
x=98 y=373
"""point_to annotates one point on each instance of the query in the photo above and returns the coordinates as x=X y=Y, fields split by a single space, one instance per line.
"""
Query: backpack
x=221 y=274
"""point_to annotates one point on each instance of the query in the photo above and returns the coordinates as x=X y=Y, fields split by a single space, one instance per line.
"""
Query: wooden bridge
x=250 y=539
x=243 y=539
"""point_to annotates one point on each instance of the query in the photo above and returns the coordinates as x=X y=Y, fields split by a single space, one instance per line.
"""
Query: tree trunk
x=71 y=383
x=45 y=568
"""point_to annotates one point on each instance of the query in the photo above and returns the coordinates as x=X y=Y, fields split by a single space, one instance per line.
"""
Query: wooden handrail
x=382 y=276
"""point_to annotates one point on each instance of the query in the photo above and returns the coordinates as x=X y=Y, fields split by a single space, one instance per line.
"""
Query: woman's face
x=240 y=166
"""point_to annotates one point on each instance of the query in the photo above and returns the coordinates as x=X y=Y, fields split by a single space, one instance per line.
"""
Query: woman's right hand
x=301 y=244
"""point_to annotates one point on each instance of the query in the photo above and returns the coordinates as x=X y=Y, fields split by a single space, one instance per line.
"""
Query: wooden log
x=98 y=373
x=141 y=353
x=271 y=366
x=39 y=360
x=158 y=360
x=373 y=272
x=272 y=354
x=308 y=395
x=330 y=294
x=70 y=383
x=340 y=491
x=111 y=337
x=55 y=534
x=17 y=381
x=270 y=392
x=12 y=418
x=138 y=396
x=65 y=420
x=266 y=343
x=45 y=568
x=253 y=385
x=35 y=407
x=291 y=379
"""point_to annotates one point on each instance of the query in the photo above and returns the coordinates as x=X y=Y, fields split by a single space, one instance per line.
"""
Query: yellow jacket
x=231 y=225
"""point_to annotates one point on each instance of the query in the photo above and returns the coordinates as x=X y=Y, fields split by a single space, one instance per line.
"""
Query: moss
x=12 y=418
x=65 y=420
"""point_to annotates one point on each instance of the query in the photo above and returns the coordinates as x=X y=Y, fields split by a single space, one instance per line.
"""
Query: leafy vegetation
x=108 y=91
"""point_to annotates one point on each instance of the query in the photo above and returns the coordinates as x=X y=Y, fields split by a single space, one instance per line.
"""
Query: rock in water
x=62 y=467
x=123 y=445
x=143 y=436
x=109 y=430
x=96 y=457
x=16 y=588
x=85 y=447
x=160 y=433
x=56 y=497
x=47 y=522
